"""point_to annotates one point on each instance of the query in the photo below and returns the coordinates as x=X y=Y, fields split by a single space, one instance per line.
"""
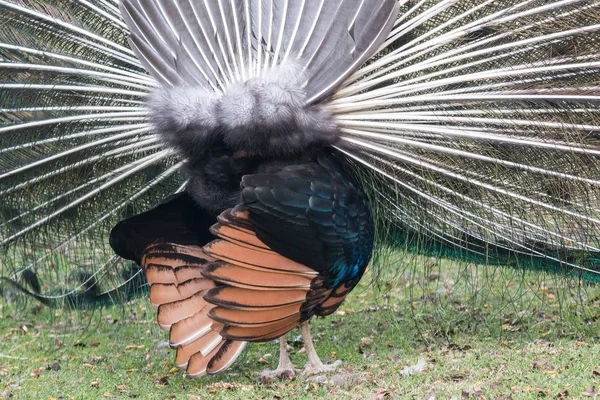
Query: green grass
x=506 y=336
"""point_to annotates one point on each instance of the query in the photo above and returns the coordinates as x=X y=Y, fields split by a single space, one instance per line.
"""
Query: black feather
x=178 y=219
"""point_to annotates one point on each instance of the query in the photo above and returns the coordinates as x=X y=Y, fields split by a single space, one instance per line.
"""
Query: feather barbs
x=214 y=44
x=177 y=290
x=265 y=115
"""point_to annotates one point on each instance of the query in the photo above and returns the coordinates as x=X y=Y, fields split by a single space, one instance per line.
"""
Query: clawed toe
x=285 y=374
x=319 y=368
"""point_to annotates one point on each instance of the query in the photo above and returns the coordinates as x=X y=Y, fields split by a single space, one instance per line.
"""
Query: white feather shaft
x=77 y=149
x=467 y=154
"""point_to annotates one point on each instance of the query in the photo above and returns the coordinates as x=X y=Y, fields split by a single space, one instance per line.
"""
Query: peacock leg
x=285 y=369
x=314 y=366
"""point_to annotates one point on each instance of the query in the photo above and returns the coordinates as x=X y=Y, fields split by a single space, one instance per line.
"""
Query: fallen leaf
x=419 y=367
x=540 y=363
x=591 y=392
x=510 y=328
x=218 y=386
x=134 y=346
x=382 y=394
x=563 y=394
x=95 y=384
x=457 y=378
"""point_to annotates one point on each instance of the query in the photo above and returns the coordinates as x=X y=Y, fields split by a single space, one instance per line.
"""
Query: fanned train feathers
x=214 y=44
x=474 y=126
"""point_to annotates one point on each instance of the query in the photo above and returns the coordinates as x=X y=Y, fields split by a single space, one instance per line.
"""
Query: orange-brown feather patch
x=329 y=306
x=204 y=345
x=156 y=273
x=170 y=313
x=161 y=293
x=243 y=256
x=276 y=334
x=238 y=298
x=191 y=328
x=240 y=214
x=255 y=278
x=241 y=237
x=281 y=322
x=227 y=354
x=248 y=317
x=230 y=219
x=198 y=363
x=332 y=301
x=263 y=332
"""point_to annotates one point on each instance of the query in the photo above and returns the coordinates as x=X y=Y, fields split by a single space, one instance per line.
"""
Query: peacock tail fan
x=474 y=129
x=477 y=130
x=76 y=152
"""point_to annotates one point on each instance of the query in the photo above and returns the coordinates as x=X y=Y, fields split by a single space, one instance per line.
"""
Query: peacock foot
x=284 y=374
x=318 y=368
x=285 y=368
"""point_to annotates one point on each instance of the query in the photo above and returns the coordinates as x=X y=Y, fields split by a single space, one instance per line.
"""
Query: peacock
x=242 y=160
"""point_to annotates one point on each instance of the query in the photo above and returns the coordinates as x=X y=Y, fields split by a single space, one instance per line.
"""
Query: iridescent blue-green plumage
x=314 y=214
